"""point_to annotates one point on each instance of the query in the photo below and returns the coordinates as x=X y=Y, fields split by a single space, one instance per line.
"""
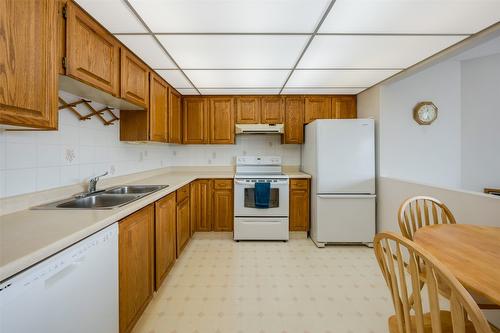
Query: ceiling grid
x=287 y=47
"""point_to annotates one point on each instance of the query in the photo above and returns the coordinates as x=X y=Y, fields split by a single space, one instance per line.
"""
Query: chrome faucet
x=93 y=182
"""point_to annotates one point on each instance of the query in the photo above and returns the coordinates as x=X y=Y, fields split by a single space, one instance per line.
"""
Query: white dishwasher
x=74 y=291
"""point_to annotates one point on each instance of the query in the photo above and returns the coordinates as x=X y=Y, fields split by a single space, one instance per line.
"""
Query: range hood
x=259 y=128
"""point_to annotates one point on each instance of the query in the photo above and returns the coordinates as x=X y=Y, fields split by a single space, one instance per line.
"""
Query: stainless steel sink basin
x=107 y=199
x=134 y=189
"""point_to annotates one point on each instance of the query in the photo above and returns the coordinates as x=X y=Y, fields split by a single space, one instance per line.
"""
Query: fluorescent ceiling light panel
x=114 y=15
x=274 y=91
x=216 y=51
x=416 y=16
x=373 y=51
x=322 y=91
x=231 y=15
x=148 y=50
x=237 y=78
x=175 y=78
x=338 y=78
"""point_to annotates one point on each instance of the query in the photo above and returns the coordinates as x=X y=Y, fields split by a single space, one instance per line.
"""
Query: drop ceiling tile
x=237 y=78
x=372 y=51
x=231 y=91
x=418 y=16
x=187 y=91
x=338 y=78
x=322 y=91
x=114 y=15
x=175 y=78
x=148 y=50
x=231 y=16
x=242 y=51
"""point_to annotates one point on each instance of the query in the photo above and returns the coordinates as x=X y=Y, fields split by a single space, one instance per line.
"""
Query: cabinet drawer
x=299 y=184
x=182 y=193
x=223 y=184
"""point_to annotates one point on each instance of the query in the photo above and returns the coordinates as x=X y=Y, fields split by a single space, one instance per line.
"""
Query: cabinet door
x=294 y=120
x=223 y=205
x=201 y=205
x=92 y=52
x=28 y=63
x=221 y=120
x=344 y=107
x=248 y=110
x=135 y=251
x=299 y=205
x=317 y=107
x=174 y=117
x=158 y=109
x=195 y=120
x=134 y=79
x=272 y=110
x=165 y=237
x=183 y=225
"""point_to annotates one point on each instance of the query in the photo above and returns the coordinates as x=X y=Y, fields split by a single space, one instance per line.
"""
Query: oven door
x=244 y=199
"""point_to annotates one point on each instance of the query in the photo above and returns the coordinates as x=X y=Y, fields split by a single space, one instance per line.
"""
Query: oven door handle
x=239 y=182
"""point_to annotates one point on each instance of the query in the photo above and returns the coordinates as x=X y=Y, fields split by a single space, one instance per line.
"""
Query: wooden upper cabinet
x=134 y=79
x=221 y=120
x=317 y=107
x=136 y=265
x=273 y=109
x=248 y=110
x=195 y=120
x=165 y=237
x=28 y=63
x=92 y=53
x=158 y=109
x=344 y=107
x=174 y=117
x=294 y=120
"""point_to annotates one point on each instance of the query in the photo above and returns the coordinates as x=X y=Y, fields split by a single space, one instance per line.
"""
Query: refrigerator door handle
x=346 y=196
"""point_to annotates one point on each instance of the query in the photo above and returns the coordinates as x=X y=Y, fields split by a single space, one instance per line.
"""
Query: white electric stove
x=250 y=222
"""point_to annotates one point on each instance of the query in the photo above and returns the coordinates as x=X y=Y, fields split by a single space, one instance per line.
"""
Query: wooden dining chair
x=420 y=211
x=402 y=263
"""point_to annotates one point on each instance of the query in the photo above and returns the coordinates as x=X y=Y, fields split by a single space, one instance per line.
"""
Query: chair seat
x=446 y=324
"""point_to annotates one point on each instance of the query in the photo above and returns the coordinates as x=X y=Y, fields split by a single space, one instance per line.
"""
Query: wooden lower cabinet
x=136 y=265
x=165 y=237
x=222 y=209
x=201 y=205
x=299 y=205
x=183 y=219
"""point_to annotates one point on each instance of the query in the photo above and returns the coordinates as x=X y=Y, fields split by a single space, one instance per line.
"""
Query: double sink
x=105 y=199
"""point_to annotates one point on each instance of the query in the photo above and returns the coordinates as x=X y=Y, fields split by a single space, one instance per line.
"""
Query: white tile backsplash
x=40 y=160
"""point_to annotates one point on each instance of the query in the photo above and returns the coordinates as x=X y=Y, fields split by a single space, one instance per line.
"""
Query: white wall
x=429 y=154
x=481 y=122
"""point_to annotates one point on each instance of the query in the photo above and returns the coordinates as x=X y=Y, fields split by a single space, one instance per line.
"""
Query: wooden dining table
x=470 y=252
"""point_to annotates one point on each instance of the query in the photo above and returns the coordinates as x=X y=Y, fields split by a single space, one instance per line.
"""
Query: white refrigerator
x=339 y=154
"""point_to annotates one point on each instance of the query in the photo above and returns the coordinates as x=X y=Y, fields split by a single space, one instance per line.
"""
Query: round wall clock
x=425 y=113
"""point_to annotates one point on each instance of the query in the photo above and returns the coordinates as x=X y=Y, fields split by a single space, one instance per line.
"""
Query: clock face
x=425 y=113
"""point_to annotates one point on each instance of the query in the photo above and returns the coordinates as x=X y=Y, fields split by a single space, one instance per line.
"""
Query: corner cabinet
x=134 y=81
x=136 y=265
x=158 y=107
x=299 y=204
x=165 y=237
x=29 y=63
x=195 y=120
x=92 y=53
x=174 y=116
x=221 y=127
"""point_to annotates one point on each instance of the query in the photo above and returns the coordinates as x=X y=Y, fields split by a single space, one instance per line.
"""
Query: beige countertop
x=29 y=236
